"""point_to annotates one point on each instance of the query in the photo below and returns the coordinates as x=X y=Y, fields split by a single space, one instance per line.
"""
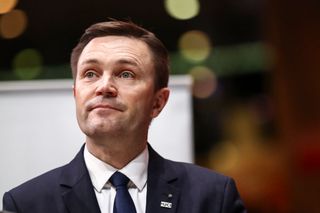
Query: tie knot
x=119 y=180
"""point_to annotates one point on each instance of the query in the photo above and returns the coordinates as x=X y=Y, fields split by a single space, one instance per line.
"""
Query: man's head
x=120 y=80
x=131 y=30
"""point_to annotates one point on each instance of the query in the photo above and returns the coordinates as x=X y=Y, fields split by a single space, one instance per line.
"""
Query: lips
x=103 y=106
x=102 y=103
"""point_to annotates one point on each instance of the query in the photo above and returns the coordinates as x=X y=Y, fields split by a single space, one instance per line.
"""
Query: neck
x=117 y=153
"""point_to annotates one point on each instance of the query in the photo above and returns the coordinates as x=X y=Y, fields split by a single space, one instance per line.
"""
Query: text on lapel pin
x=166 y=205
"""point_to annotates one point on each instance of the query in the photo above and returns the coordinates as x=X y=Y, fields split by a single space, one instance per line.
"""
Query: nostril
x=111 y=93
x=107 y=90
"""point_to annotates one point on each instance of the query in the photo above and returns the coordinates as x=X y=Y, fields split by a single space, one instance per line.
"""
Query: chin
x=102 y=130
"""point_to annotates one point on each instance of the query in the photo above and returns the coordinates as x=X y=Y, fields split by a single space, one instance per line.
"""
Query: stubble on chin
x=97 y=127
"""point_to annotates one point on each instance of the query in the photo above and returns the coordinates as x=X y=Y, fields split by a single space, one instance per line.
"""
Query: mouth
x=104 y=106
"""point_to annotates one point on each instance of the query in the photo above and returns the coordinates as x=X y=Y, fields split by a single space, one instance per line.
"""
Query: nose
x=107 y=87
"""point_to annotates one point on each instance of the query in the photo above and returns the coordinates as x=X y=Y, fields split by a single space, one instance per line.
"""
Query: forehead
x=117 y=47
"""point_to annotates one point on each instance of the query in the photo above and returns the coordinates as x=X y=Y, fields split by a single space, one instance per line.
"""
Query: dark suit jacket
x=189 y=188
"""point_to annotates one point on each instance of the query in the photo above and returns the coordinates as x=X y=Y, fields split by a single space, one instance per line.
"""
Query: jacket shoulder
x=35 y=193
x=42 y=183
x=197 y=173
x=49 y=181
x=212 y=191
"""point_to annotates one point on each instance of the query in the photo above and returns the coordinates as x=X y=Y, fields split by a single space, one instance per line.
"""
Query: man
x=120 y=73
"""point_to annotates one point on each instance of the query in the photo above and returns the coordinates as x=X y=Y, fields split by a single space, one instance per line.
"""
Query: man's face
x=114 y=88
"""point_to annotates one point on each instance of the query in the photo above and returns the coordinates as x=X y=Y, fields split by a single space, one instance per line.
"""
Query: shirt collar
x=100 y=172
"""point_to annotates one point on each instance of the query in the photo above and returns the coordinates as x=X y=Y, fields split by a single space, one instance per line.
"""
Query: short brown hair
x=128 y=29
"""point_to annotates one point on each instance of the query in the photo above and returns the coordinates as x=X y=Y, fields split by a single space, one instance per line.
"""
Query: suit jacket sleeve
x=232 y=202
x=8 y=203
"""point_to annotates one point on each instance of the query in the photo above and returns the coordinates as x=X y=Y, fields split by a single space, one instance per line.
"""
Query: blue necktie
x=123 y=202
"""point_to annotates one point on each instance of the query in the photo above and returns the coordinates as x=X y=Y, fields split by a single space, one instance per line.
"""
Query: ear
x=160 y=100
x=74 y=90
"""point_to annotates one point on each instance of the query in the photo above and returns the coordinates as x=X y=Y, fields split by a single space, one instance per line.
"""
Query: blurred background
x=256 y=70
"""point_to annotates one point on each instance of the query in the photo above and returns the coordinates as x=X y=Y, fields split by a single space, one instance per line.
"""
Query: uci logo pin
x=166 y=205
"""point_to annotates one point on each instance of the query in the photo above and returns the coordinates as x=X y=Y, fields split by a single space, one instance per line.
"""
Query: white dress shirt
x=136 y=171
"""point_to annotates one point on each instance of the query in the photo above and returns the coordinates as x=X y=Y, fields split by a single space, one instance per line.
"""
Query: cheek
x=80 y=100
x=145 y=103
x=80 y=93
x=77 y=97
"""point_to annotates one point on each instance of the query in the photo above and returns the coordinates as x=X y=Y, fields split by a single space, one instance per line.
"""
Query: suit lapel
x=79 y=197
x=162 y=194
x=76 y=187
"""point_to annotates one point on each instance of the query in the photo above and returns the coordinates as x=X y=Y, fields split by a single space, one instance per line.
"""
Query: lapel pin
x=170 y=195
x=166 y=205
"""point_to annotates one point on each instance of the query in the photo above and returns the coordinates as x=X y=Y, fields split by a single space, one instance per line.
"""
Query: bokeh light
x=225 y=156
x=205 y=81
x=182 y=9
x=7 y=5
x=13 y=24
x=195 y=45
x=27 y=64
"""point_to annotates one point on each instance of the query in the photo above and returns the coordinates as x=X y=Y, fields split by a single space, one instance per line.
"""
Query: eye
x=90 y=74
x=126 y=74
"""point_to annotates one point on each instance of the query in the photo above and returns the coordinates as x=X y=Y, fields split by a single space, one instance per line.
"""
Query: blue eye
x=90 y=74
x=126 y=74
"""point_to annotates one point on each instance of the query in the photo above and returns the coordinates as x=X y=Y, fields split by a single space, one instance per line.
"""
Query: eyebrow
x=90 y=61
x=126 y=61
x=119 y=62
